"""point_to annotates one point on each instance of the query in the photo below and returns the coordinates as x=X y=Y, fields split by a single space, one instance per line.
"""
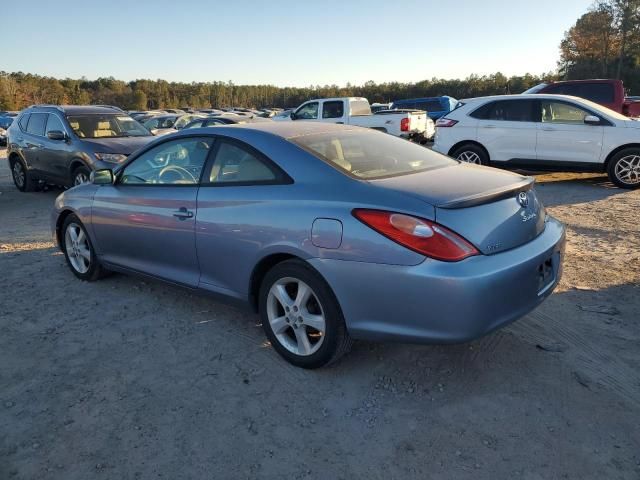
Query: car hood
x=494 y=209
x=124 y=145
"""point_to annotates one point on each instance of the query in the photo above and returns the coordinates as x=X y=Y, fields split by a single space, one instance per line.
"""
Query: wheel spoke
x=73 y=234
x=84 y=252
x=279 y=325
x=304 y=346
x=283 y=297
x=303 y=295
x=314 y=321
x=81 y=236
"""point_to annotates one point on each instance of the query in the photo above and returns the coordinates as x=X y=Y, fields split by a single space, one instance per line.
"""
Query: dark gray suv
x=61 y=145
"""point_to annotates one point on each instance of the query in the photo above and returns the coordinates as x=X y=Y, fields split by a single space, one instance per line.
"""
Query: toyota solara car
x=330 y=232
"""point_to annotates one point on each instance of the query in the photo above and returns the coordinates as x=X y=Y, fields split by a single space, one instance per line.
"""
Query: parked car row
x=6 y=118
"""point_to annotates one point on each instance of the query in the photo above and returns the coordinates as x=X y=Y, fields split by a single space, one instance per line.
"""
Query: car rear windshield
x=370 y=154
x=106 y=126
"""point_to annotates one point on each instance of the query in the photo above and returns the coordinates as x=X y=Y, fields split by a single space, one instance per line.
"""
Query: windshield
x=371 y=155
x=535 y=89
x=106 y=126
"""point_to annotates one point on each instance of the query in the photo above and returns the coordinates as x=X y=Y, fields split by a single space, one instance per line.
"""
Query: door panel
x=564 y=137
x=137 y=227
x=55 y=157
x=146 y=221
x=507 y=129
x=507 y=140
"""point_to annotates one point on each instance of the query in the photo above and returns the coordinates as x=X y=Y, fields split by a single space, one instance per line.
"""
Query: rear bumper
x=439 y=302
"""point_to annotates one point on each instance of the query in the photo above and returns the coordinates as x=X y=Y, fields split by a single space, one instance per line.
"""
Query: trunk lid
x=494 y=209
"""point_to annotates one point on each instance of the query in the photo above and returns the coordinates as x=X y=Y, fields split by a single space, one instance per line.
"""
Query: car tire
x=80 y=175
x=78 y=250
x=316 y=316
x=22 y=178
x=624 y=168
x=471 y=153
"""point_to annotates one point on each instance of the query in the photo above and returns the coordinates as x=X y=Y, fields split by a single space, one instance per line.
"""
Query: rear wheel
x=80 y=176
x=471 y=153
x=624 y=168
x=22 y=179
x=301 y=316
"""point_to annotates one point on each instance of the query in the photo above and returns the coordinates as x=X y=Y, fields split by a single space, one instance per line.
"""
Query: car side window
x=333 y=109
x=36 y=124
x=308 y=111
x=54 y=124
x=511 y=111
x=560 y=112
x=24 y=120
x=175 y=162
x=236 y=164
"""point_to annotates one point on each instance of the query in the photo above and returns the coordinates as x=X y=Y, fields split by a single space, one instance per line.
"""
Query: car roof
x=521 y=96
x=78 y=109
x=287 y=129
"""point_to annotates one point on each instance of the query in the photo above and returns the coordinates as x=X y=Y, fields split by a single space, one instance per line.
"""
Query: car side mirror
x=56 y=135
x=102 y=177
x=293 y=116
x=592 y=120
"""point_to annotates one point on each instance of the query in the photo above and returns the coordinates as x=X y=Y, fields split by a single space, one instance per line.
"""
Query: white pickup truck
x=357 y=111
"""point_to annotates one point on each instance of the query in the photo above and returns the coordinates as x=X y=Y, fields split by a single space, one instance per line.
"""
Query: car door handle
x=548 y=129
x=183 y=213
x=488 y=126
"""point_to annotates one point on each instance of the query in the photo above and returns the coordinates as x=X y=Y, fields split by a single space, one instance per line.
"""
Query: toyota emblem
x=523 y=199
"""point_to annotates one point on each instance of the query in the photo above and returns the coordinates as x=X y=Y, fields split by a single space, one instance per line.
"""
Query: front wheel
x=80 y=176
x=301 y=316
x=21 y=176
x=78 y=250
x=471 y=153
x=624 y=168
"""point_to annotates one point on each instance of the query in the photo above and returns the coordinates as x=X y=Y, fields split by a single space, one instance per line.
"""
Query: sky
x=285 y=42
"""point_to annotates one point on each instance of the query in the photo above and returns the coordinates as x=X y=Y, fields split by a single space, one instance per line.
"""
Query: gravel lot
x=131 y=379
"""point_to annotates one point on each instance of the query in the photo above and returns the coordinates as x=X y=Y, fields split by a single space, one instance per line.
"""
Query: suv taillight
x=445 y=122
x=404 y=125
x=420 y=235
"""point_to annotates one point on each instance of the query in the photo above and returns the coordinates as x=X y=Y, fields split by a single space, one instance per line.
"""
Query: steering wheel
x=182 y=172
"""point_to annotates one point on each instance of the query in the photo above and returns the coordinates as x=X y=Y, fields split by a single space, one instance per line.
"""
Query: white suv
x=543 y=132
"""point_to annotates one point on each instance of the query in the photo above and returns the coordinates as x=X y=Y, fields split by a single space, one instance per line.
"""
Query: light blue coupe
x=330 y=232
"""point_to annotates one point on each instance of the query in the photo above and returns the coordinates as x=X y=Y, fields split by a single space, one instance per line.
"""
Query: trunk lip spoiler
x=499 y=193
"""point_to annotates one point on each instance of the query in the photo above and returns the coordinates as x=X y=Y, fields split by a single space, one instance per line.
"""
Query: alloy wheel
x=296 y=316
x=470 y=157
x=77 y=247
x=80 y=178
x=18 y=174
x=627 y=170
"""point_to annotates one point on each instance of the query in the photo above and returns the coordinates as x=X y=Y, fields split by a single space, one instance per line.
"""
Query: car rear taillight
x=420 y=235
x=445 y=122
x=404 y=125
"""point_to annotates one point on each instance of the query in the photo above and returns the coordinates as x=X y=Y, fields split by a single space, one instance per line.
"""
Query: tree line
x=18 y=90
x=603 y=43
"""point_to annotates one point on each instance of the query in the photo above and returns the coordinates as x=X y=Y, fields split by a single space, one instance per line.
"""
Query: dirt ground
x=131 y=379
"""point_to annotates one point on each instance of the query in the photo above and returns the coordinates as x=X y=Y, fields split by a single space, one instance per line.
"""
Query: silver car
x=330 y=232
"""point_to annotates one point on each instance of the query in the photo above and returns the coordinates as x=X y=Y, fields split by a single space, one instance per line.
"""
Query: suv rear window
x=36 y=124
x=24 y=120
